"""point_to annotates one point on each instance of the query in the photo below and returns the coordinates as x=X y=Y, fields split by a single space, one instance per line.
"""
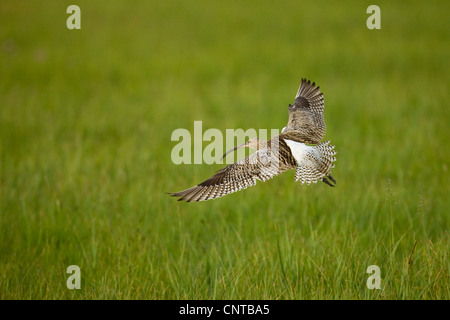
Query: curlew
x=297 y=147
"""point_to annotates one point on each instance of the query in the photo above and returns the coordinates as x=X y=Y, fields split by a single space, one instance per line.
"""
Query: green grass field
x=86 y=118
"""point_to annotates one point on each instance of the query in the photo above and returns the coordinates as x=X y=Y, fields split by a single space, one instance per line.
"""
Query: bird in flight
x=297 y=147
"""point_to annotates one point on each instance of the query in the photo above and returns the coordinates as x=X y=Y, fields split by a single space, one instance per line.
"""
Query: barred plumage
x=262 y=165
x=316 y=163
x=306 y=114
x=289 y=150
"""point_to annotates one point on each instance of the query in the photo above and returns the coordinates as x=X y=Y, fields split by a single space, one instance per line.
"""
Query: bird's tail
x=327 y=157
x=324 y=154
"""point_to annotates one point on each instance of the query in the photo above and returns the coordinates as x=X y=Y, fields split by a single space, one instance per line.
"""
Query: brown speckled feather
x=262 y=165
x=306 y=114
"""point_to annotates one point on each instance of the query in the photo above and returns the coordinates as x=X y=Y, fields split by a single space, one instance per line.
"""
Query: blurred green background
x=86 y=118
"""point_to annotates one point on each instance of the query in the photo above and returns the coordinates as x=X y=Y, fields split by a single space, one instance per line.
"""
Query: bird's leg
x=324 y=179
x=331 y=178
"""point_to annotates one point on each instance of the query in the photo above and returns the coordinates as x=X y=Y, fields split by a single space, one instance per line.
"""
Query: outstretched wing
x=306 y=114
x=262 y=165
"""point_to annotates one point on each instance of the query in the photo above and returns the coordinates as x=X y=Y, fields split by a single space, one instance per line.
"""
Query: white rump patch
x=299 y=150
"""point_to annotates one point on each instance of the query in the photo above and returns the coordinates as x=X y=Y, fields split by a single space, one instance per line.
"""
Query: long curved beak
x=233 y=149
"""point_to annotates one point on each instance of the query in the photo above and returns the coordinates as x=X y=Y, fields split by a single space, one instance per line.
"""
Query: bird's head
x=253 y=143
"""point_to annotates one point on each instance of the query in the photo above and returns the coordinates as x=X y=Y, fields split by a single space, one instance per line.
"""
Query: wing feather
x=262 y=165
x=306 y=114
